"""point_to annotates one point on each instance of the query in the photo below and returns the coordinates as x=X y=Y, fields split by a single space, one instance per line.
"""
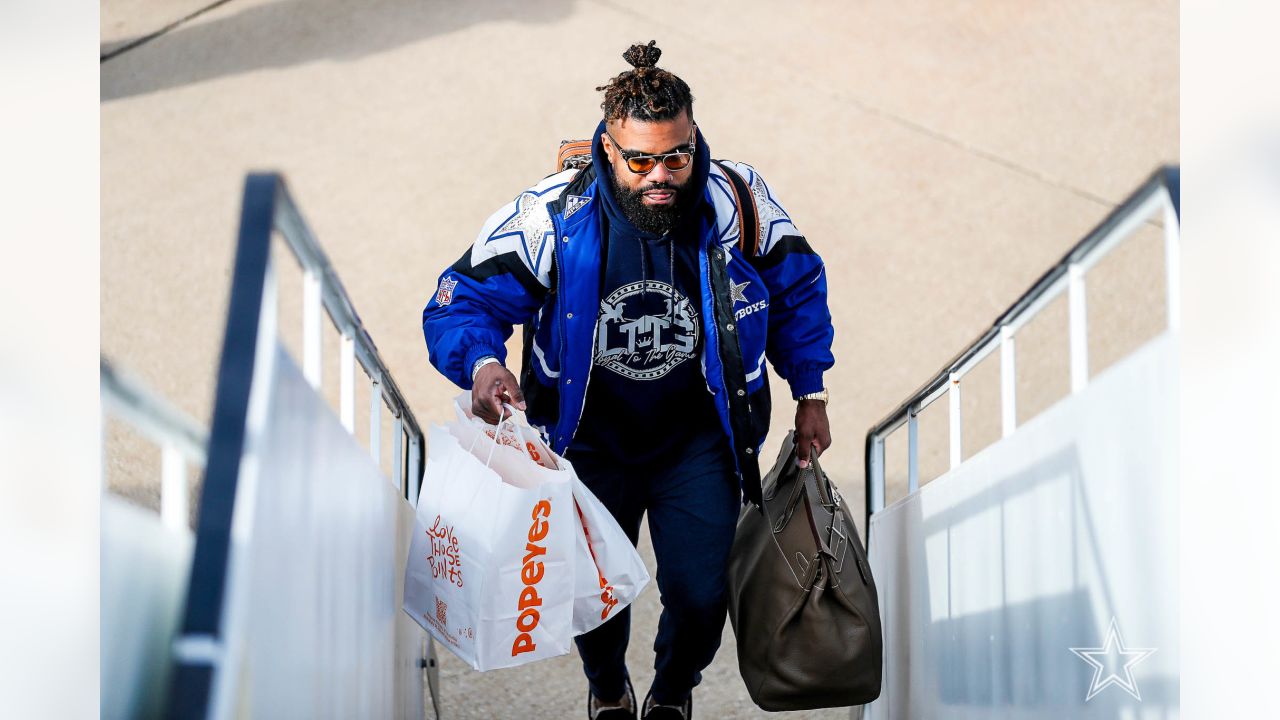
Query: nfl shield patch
x=444 y=295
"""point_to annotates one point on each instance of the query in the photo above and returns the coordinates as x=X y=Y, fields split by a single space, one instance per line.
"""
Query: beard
x=657 y=219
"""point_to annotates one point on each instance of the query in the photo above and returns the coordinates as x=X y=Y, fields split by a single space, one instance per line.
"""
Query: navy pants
x=693 y=502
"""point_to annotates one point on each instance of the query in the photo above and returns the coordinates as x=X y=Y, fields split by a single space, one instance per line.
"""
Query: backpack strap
x=573 y=154
x=748 y=218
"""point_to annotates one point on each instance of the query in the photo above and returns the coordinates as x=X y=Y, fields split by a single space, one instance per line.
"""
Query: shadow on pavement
x=290 y=32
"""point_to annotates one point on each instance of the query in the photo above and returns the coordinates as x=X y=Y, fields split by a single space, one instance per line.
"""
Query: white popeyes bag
x=608 y=572
x=491 y=566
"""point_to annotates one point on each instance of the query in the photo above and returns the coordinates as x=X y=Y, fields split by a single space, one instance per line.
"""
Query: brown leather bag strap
x=822 y=518
x=835 y=532
x=748 y=218
x=573 y=154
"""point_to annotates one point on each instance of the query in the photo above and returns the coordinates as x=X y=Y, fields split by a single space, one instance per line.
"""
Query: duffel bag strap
x=826 y=520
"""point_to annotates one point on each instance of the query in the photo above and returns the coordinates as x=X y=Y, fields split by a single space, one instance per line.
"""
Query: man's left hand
x=812 y=428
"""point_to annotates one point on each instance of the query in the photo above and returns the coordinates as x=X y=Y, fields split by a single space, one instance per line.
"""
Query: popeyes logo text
x=444 y=559
x=531 y=573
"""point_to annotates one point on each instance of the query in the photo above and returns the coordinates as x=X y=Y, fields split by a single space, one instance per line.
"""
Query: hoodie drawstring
x=671 y=275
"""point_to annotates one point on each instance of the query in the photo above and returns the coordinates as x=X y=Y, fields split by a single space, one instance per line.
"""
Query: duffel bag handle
x=832 y=534
x=819 y=504
x=839 y=529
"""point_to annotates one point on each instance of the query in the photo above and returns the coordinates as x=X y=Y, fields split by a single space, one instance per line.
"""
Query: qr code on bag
x=442 y=612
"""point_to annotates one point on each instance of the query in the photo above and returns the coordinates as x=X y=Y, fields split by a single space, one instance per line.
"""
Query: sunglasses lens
x=641 y=164
x=678 y=161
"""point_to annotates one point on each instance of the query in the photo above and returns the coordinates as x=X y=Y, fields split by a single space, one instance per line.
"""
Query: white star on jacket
x=529 y=221
x=768 y=212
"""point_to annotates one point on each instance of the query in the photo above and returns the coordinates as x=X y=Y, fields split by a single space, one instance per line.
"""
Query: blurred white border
x=1231 y=350
x=48 y=359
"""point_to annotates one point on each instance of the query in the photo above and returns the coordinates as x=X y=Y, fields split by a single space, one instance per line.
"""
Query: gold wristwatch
x=820 y=395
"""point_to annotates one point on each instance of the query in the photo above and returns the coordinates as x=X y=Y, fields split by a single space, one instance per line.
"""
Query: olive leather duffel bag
x=801 y=597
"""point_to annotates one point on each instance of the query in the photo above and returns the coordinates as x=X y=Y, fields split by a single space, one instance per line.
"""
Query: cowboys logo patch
x=444 y=295
x=574 y=204
x=644 y=346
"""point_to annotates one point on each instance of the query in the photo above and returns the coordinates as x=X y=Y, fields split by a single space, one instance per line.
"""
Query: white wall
x=318 y=629
x=144 y=580
x=992 y=573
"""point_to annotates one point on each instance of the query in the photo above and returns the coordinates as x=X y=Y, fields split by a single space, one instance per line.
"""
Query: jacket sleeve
x=499 y=282
x=800 y=330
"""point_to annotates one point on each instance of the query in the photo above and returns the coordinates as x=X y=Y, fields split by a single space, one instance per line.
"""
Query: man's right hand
x=493 y=386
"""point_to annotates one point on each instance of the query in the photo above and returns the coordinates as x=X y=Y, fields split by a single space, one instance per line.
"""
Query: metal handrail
x=198 y=685
x=181 y=439
x=319 y=274
x=153 y=416
x=1160 y=189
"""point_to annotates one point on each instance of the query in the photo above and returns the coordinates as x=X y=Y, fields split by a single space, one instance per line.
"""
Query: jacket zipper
x=564 y=346
x=715 y=334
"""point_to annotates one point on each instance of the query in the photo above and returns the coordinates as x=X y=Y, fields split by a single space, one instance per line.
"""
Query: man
x=647 y=320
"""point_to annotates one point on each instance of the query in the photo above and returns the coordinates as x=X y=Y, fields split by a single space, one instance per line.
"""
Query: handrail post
x=953 y=395
x=1008 y=382
x=913 y=452
x=174 y=512
x=1172 y=265
x=347 y=383
x=414 y=463
x=397 y=457
x=375 y=418
x=312 y=363
x=1078 y=325
x=877 y=475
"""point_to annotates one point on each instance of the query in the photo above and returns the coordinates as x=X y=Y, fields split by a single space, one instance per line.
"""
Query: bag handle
x=497 y=430
x=836 y=543
x=820 y=503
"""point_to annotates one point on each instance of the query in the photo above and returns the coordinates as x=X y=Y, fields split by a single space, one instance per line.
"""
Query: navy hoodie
x=647 y=399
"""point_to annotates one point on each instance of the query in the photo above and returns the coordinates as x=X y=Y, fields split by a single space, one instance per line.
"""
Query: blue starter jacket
x=537 y=263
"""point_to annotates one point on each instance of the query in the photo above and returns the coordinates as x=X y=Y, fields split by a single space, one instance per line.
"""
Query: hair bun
x=643 y=56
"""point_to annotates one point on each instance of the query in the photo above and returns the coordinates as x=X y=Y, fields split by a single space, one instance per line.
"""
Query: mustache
x=660 y=186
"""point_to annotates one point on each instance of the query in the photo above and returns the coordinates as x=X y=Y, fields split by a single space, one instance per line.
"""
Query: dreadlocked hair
x=646 y=92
